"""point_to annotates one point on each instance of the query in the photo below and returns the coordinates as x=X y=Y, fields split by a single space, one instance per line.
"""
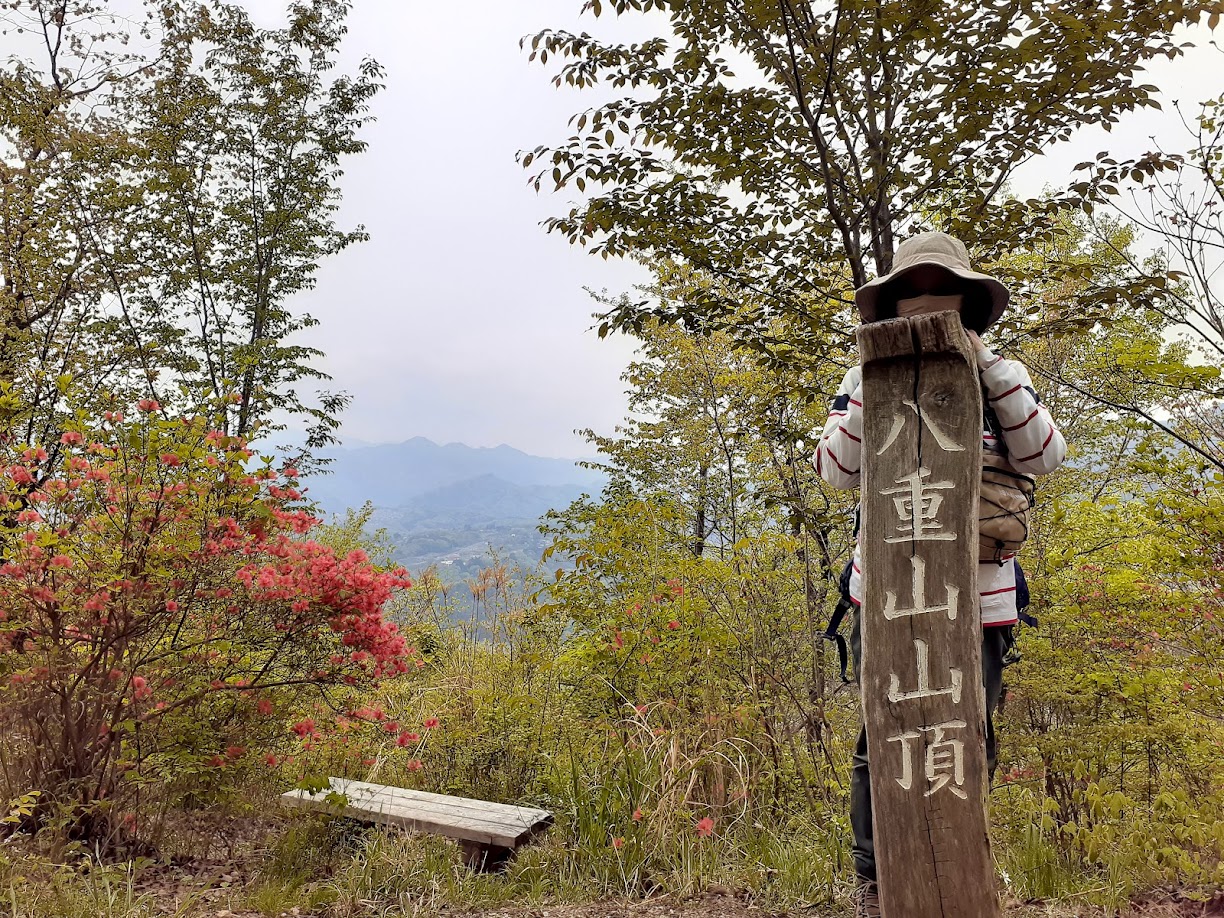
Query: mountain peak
x=394 y=474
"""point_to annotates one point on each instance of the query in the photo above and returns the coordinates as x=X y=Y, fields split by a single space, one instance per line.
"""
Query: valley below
x=453 y=507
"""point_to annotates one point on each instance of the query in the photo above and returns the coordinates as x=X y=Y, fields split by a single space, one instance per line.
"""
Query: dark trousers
x=995 y=643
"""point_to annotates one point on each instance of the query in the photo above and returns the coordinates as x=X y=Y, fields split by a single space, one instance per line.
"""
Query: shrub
x=164 y=616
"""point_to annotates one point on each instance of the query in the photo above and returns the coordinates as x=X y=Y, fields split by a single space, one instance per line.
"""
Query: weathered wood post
x=923 y=701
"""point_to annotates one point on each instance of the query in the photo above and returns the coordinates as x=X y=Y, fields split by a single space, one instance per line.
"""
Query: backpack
x=1004 y=502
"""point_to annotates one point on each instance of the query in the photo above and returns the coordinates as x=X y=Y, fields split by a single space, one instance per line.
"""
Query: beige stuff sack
x=1003 y=509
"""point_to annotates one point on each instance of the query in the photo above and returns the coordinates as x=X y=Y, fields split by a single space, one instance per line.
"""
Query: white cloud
x=461 y=320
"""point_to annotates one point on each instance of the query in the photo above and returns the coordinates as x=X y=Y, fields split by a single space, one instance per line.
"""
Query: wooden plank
x=496 y=831
x=494 y=812
x=399 y=818
x=464 y=818
x=387 y=811
x=501 y=825
x=923 y=701
x=505 y=818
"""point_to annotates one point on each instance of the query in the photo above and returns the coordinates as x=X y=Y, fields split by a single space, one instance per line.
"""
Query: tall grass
x=66 y=892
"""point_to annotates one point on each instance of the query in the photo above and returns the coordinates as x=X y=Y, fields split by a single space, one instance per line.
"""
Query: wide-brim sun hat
x=937 y=249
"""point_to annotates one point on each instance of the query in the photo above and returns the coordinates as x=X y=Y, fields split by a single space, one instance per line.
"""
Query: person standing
x=931 y=273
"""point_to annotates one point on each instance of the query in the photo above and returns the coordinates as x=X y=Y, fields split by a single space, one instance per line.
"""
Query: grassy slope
x=306 y=867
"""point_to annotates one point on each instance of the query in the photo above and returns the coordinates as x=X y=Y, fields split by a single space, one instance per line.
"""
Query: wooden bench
x=489 y=833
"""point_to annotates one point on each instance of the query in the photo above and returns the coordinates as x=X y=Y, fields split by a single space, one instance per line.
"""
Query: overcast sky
x=461 y=320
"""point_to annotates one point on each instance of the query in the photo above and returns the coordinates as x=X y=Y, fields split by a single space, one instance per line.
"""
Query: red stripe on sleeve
x=1040 y=451
x=1016 y=388
x=850 y=435
x=1023 y=423
x=837 y=462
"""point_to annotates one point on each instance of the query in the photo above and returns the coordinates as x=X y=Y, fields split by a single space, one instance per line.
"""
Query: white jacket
x=1033 y=445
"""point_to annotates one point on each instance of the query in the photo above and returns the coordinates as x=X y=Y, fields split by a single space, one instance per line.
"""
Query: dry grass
x=279 y=868
x=213 y=891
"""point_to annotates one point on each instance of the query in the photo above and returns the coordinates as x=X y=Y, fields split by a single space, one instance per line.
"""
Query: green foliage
x=1176 y=198
x=1112 y=741
x=700 y=581
x=162 y=206
x=241 y=137
x=391 y=871
x=782 y=147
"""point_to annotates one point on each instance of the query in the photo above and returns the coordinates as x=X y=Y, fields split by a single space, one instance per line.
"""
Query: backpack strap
x=993 y=424
x=1022 y=597
x=844 y=605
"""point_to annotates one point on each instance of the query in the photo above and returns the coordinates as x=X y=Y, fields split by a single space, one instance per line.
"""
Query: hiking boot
x=867 y=900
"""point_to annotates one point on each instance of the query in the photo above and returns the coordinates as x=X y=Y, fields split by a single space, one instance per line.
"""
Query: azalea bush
x=166 y=618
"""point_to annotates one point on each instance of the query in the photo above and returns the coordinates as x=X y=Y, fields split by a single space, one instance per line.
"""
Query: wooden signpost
x=923 y=701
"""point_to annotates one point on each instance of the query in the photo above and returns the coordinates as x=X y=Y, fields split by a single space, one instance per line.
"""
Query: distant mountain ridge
x=487 y=497
x=450 y=504
x=396 y=474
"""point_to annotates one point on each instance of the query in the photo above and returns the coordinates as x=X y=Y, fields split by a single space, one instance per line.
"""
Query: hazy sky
x=461 y=320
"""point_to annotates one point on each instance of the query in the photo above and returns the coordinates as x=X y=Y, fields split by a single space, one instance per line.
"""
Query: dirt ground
x=725 y=907
x=211 y=888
